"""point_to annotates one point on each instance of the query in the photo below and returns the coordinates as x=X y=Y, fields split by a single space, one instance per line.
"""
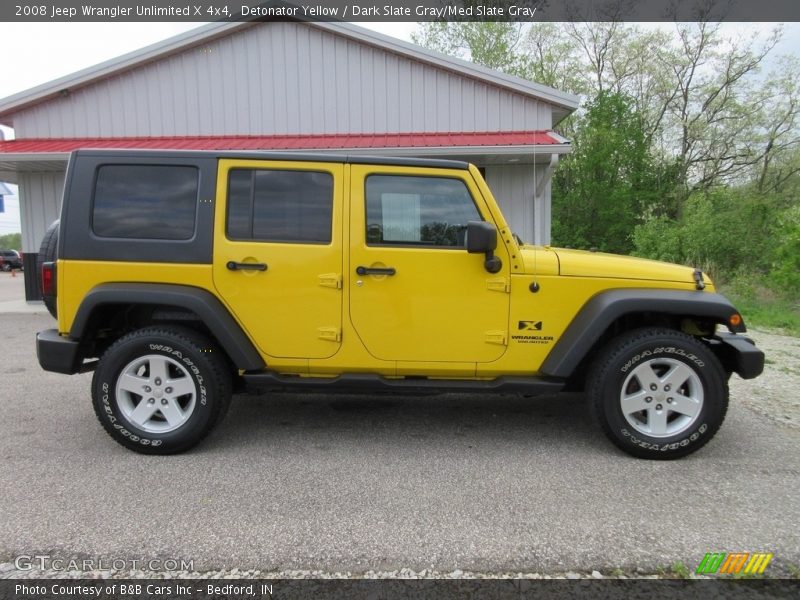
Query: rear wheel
x=160 y=390
x=658 y=393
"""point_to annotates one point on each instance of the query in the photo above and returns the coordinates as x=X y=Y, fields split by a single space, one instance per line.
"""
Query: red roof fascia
x=284 y=142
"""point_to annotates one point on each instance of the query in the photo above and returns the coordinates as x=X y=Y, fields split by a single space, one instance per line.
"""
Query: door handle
x=376 y=270
x=237 y=266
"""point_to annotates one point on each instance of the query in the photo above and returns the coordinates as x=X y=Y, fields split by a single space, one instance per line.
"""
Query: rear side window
x=145 y=202
x=271 y=205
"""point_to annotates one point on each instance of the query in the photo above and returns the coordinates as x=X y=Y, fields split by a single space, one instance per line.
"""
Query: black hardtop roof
x=270 y=155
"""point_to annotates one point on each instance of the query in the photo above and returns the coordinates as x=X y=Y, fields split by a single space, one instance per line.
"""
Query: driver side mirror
x=482 y=238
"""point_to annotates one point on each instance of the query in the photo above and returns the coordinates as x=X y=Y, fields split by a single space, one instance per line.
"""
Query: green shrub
x=724 y=232
x=785 y=275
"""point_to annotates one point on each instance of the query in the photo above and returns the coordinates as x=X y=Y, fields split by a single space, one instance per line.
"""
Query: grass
x=762 y=309
x=680 y=570
x=676 y=570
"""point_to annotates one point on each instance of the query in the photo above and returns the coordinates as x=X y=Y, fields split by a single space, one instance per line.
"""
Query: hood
x=582 y=263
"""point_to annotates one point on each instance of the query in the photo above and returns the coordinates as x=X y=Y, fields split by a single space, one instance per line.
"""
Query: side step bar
x=368 y=382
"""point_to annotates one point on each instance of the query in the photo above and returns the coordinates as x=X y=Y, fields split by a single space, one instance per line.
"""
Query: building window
x=145 y=202
x=270 y=205
x=2 y=205
x=420 y=211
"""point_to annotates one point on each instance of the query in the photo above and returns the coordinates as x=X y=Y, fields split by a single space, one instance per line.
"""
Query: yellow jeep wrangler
x=180 y=276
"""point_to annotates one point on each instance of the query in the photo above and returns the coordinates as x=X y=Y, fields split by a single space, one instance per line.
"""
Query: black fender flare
x=606 y=307
x=203 y=303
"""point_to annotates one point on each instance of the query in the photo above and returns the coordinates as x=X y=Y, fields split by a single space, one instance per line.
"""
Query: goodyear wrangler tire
x=658 y=393
x=160 y=390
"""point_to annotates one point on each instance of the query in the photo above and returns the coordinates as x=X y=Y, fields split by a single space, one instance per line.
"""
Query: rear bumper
x=739 y=354
x=56 y=353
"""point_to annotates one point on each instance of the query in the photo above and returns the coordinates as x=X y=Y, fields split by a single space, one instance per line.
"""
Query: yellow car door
x=278 y=253
x=415 y=293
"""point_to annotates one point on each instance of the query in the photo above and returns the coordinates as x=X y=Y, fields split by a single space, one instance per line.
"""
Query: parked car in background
x=10 y=259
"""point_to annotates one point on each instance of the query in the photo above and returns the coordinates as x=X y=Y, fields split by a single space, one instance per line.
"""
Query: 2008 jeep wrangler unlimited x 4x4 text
x=177 y=276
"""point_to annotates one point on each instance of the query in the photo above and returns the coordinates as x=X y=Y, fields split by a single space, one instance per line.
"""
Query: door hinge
x=331 y=280
x=500 y=284
x=497 y=337
x=332 y=334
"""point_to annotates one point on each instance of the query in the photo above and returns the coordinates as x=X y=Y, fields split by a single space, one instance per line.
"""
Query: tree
x=683 y=150
x=491 y=44
x=694 y=90
x=551 y=58
x=11 y=240
x=779 y=160
x=610 y=179
x=712 y=111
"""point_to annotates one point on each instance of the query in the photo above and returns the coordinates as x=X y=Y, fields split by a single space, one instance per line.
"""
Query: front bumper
x=56 y=353
x=739 y=354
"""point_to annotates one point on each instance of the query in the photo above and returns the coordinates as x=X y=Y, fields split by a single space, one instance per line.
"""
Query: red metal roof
x=285 y=142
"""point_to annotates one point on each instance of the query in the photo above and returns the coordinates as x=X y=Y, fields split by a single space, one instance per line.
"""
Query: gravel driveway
x=776 y=394
x=449 y=484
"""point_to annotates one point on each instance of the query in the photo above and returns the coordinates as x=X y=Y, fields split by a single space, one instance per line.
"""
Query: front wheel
x=658 y=393
x=160 y=390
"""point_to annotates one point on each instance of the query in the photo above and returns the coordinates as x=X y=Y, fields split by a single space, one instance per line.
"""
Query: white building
x=289 y=86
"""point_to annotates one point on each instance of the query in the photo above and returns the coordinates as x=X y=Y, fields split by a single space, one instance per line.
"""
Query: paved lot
x=352 y=483
x=12 y=295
